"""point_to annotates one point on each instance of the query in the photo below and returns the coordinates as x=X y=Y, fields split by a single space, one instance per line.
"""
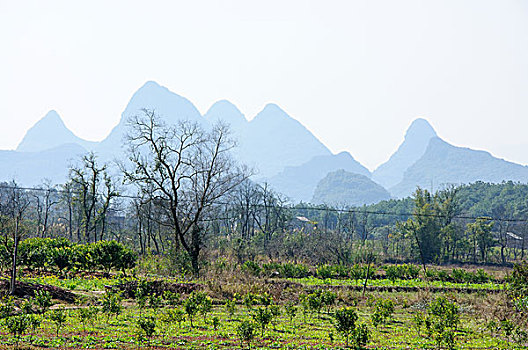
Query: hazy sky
x=356 y=73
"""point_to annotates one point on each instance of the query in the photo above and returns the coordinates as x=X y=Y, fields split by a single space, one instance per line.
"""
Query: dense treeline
x=189 y=201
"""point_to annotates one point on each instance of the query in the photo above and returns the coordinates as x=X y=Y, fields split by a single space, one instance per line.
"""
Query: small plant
x=17 y=325
x=191 y=307
x=43 y=300
x=250 y=300
x=34 y=322
x=155 y=301
x=328 y=299
x=230 y=307
x=275 y=313
x=262 y=317
x=28 y=306
x=315 y=301
x=291 y=311
x=383 y=312
x=216 y=323
x=141 y=300
x=147 y=325
x=205 y=306
x=174 y=315
x=171 y=298
x=7 y=307
x=112 y=305
x=345 y=323
x=252 y=268
x=418 y=322
x=87 y=315
x=58 y=317
x=246 y=332
x=508 y=327
x=441 y=322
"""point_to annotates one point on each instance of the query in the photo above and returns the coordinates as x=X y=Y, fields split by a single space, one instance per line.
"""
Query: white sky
x=356 y=73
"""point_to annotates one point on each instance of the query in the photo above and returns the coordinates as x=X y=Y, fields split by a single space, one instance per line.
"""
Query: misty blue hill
x=443 y=164
x=50 y=132
x=299 y=182
x=343 y=188
x=413 y=147
x=226 y=112
x=169 y=106
x=274 y=140
x=270 y=142
x=31 y=168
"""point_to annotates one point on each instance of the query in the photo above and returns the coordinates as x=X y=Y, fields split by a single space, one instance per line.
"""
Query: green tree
x=480 y=232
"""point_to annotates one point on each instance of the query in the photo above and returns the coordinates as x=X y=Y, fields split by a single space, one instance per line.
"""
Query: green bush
x=252 y=268
x=441 y=322
x=383 y=310
x=147 y=325
x=61 y=254
x=402 y=272
x=246 y=332
x=346 y=324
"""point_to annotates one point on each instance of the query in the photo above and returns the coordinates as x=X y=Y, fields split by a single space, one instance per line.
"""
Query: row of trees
x=190 y=197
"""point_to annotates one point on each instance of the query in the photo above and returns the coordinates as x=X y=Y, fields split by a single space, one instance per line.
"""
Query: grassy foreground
x=283 y=313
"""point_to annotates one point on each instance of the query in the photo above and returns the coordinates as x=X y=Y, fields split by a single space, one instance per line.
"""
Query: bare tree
x=93 y=191
x=189 y=170
x=45 y=198
x=14 y=204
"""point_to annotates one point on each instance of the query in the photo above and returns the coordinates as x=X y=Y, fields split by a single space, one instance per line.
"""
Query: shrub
x=58 y=317
x=147 y=325
x=291 y=311
x=345 y=323
x=262 y=316
x=87 y=315
x=328 y=299
x=384 y=308
x=230 y=306
x=315 y=301
x=174 y=315
x=441 y=321
x=403 y=272
x=216 y=322
x=17 y=325
x=43 y=300
x=191 y=305
x=246 y=332
x=171 y=298
x=7 y=307
x=518 y=281
x=112 y=304
x=252 y=268
x=290 y=270
x=111 y=254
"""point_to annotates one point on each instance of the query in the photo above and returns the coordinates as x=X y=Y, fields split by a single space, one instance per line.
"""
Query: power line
x=294 y=207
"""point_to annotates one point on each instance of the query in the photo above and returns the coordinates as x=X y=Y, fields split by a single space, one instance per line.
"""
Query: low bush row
x=62 y=254
x=359 y=271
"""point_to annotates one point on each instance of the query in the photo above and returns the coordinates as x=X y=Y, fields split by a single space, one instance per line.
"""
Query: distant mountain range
x=279 y=148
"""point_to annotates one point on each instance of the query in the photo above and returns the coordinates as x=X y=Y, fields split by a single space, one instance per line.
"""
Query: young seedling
x=58 y=317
